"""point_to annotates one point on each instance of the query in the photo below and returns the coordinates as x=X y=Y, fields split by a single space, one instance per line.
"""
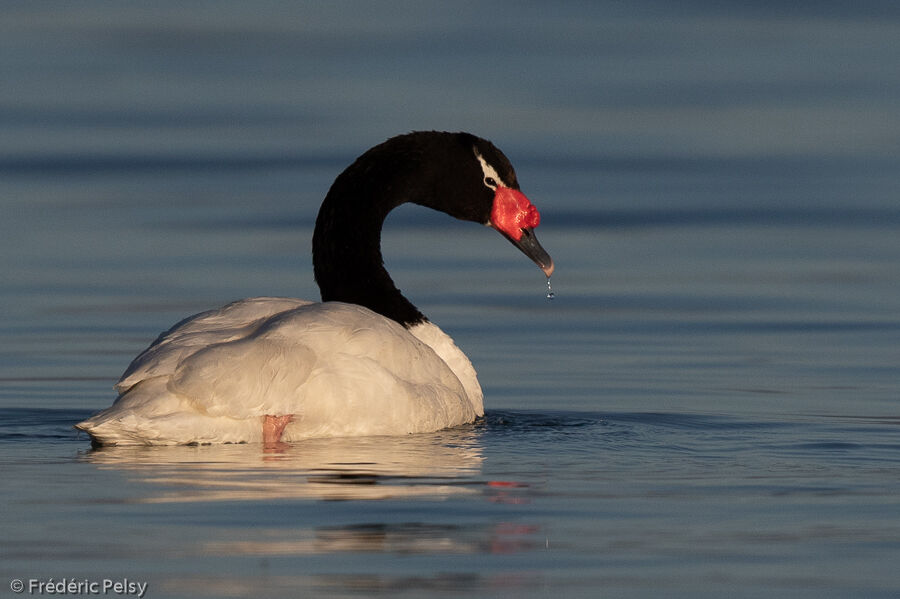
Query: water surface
x=708 y=407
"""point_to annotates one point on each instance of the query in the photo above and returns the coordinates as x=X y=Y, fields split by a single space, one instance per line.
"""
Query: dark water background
x=708 y=407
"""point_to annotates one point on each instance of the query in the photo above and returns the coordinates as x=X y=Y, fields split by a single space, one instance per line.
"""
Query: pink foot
x=273 y=427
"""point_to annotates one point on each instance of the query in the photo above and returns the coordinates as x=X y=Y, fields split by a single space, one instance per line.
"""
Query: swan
x=364 y=360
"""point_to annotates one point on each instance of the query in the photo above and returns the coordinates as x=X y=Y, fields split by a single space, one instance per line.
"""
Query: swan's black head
x=460 y=174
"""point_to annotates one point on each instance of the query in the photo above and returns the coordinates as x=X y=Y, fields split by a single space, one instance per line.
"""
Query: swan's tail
x=147 y=414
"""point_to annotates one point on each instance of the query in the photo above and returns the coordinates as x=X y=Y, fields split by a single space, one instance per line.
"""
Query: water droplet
x=550 y=294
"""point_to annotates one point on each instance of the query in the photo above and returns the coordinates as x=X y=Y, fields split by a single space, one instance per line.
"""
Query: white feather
x=340 y=369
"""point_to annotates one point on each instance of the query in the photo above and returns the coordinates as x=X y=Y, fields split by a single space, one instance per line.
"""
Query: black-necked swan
x=364 y=361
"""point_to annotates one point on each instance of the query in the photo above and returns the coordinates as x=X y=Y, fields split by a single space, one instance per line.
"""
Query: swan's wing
x=236 y=320
x=340 y=369
x=245 y=378
x=430 y=334
x=337 y=366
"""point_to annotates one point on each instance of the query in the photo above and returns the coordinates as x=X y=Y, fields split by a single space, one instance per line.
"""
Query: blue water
x=708 y=407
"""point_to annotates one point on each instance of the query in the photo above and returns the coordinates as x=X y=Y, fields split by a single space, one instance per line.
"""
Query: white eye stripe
x=490 y=175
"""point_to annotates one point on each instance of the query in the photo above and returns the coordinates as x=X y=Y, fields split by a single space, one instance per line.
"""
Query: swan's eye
x=491 y=179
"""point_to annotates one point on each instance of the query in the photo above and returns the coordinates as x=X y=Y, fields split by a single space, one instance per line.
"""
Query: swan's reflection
x=427 y=466
x=436 y=464
x=400 y=538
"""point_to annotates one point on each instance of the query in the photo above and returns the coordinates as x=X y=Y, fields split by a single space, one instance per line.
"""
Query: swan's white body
x=340 y=370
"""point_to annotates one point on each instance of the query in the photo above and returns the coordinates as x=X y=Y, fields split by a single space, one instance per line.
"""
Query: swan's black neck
x=438 y=170
x=348 y=264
